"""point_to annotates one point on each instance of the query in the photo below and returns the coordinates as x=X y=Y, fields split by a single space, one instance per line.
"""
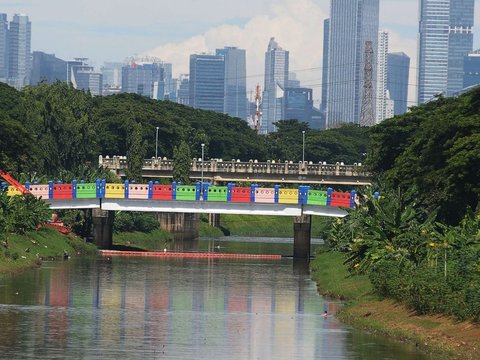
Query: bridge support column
x=214 y=220
x=103 y=228
x=302 y=229
x=183 y=226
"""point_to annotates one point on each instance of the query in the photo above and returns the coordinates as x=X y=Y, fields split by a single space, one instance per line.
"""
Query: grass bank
x=21 y=252
x=154 y=240
x=268 y=226
x=437 y=334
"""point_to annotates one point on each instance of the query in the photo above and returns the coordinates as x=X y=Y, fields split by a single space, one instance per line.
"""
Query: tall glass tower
x=445 y=38
x=235 y=81
x=276 y=79
x=19 y=44
x=207 y=82
x=352 y=24
x=398 y=71
x=3 y=48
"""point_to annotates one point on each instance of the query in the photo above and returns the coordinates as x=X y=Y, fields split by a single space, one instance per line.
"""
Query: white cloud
x=297 y=26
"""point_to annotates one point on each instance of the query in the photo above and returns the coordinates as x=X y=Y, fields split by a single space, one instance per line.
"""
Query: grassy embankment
x=22 y=252
x=268 y=226
x=437 y=334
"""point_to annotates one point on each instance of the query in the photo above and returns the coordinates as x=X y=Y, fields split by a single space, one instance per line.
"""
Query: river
x=138 y=308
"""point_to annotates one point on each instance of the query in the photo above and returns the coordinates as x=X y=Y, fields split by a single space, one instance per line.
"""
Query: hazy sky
x=114 y=30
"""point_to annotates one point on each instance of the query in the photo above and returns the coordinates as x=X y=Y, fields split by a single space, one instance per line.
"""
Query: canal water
x=136 y=308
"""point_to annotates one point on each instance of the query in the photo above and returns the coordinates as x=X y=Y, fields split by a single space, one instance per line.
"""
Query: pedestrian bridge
x=217 y=170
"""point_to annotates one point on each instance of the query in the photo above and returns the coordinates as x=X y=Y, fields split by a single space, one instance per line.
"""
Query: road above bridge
x=217 y=170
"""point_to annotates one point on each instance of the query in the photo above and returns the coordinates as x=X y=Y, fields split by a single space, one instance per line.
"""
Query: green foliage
x=135 y=153
x=435 y=148
x=21 y=214
x=181 y=163
x=135 y=221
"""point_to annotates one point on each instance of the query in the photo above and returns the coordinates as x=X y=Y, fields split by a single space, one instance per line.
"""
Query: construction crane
x=258 y=113
x=11 y=180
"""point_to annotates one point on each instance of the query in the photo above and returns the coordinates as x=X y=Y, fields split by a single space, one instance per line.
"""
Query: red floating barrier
x=167 y=254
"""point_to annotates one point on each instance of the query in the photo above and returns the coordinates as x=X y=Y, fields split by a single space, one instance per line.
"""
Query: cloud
x=297 y=26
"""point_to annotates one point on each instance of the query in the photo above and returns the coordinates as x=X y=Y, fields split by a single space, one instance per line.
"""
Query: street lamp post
x=201 y=181
x=156 y=144
x=303 y=146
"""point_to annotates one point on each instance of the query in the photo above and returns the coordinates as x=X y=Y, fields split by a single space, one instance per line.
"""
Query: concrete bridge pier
x=214 y=220
x=103 y=228
x=183 y=226
x=302 y=230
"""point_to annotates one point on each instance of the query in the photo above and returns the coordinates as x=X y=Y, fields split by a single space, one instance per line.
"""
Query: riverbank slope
x=437 y=334
x=21 y=252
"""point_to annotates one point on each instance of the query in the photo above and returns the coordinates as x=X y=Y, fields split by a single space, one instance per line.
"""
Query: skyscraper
x=47 y=68
x=207 y=82
x=445 y=37
x=276 y=79
x=298 y=104
x=383 y=101
x=83 y=76
x=398 y=71
x=3 y=48
x=326 y=39
x=235 y=81
x=353 y=23
x=471 y=70
x=19 y=43
x=145 y=79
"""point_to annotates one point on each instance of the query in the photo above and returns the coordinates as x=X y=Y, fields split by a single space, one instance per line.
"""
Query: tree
x=135 y=153
x=181 y=163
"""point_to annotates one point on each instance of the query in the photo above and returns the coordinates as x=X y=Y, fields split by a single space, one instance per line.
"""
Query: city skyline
x=102 y=32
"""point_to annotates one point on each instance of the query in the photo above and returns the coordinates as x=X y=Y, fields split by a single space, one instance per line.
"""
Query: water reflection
x=174 y=308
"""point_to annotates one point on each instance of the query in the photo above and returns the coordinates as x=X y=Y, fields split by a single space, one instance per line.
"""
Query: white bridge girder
x=198 y=207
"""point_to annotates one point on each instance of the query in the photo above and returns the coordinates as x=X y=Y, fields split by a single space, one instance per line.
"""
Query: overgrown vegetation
x=420 y=244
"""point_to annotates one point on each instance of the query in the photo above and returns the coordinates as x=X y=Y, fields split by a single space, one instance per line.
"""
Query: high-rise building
x=145 y=79
x=353 y=24
x=19 y=44
x=276 y=79
x=382 y=109
x=207 y=82
x=398 y=71
x=3 y=48
x=112 y=74
x=83 y=76
x=298 y=104
x=235 y=81
x=471 y=70
x=47 y=68
x=183 y=96
x=326 y=40
x=293 y=82
x=445 y=38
